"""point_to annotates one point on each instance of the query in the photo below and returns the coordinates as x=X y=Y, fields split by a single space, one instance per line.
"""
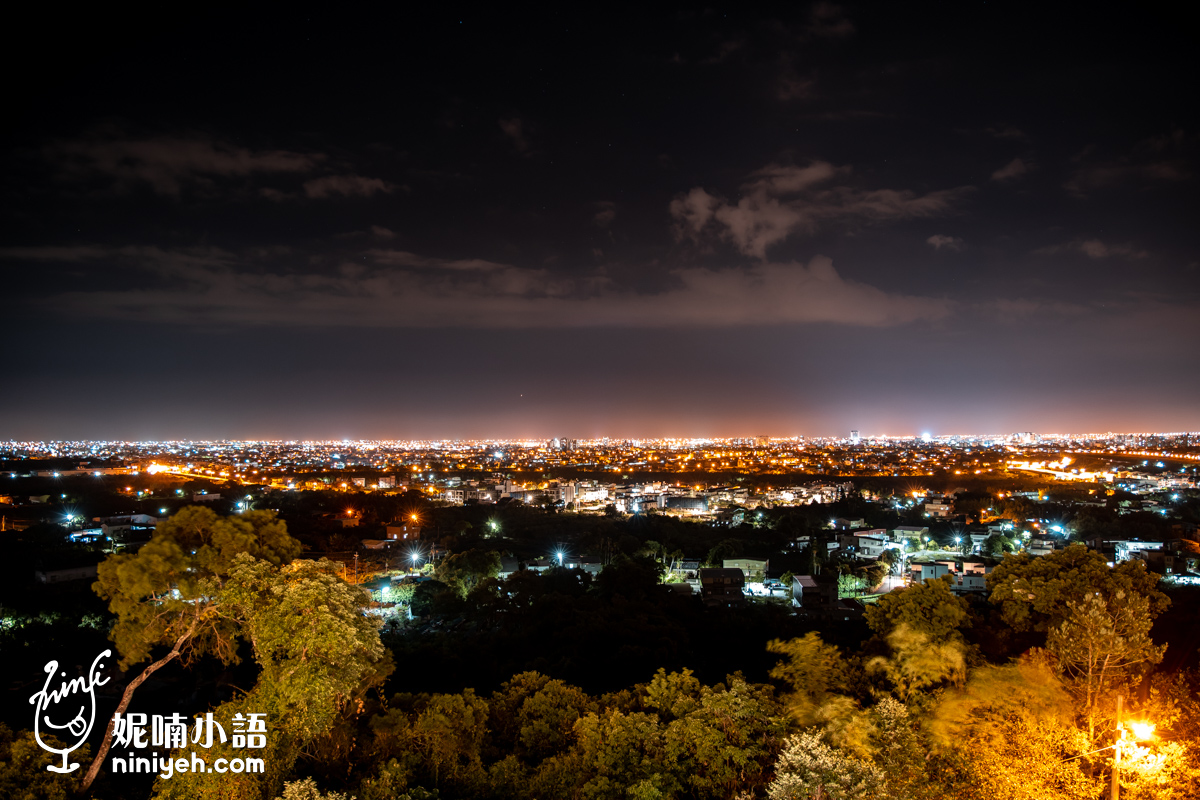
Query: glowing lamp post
x=1138 y=732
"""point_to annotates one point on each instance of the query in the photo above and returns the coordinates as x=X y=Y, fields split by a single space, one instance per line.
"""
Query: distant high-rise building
x=854 y=437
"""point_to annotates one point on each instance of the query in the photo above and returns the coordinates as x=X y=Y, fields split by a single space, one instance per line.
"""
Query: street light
x=1140 y=732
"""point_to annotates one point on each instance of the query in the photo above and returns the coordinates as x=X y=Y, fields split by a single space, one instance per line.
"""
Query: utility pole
x=1116 y=772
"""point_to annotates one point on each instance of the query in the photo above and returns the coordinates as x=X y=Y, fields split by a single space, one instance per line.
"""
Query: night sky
x=442 y=222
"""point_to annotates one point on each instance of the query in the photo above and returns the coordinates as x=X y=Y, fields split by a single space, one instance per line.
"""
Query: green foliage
x=1027 y=687
x=621 y=754
x=817 y=675
x=306 y=789
x=170 y=590
x=930 y=608
x=311 y=638
x=402 y=592
x=539 y=737
x=900 y=749
x=532 y=716
x=918 y=662
x=1033 y=592
x=434 y=597
x=1170 y=768
x=810 y=768
x=812 y=670
x=851 y=585
x=1103 y=642
x=874 y=573
x=23 y=773
x=1018 y=757
x=724 y=742
x=915 y=725
x=464 y=571
x=891 y=557
x=318 y=654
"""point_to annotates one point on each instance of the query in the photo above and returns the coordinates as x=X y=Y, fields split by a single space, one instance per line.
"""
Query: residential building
x=722 y=587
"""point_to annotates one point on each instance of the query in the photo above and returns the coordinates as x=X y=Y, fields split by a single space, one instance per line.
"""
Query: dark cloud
x=346 y=186
x=1011 y=171
x=515 y=129
x=394 y=288
x=1162 y=158
x=1009 y=132
x=828 y=20
x=167 y=165
x=939 y=241
x=795 y=87
x=1094 y=248
x=778 y=201
x=606 y=212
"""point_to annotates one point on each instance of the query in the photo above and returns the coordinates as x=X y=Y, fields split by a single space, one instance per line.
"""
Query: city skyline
x=459 y=225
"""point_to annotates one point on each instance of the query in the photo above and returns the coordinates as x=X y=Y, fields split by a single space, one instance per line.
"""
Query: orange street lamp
x=1139 y=732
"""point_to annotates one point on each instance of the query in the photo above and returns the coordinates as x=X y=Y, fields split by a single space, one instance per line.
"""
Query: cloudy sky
x=602 y=222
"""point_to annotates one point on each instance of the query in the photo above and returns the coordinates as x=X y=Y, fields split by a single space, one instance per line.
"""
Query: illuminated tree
x=463 y=571
x=918 y=662
x=1103 y=643
x=1033 y=592
x=716 y=739
x=169 y=593
x=812 y=669
x=23 y=763
x=532 y=715
x=929 y=607
x=318 y=654
x=809 y=769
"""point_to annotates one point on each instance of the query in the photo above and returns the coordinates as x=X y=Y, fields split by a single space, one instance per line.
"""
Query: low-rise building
x=924 y=572
x=129 y=528
x=752 y=568
x=65 y=575
x=906 y=533
x=969 y=583
x=404 y=531
x=941 y=509
x=722 y=587
x=813 y=595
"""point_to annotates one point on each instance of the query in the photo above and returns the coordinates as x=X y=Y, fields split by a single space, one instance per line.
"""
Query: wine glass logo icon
x=60 y=702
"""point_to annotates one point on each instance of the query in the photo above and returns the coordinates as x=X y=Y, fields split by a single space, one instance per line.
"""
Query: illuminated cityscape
x=661 y=402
